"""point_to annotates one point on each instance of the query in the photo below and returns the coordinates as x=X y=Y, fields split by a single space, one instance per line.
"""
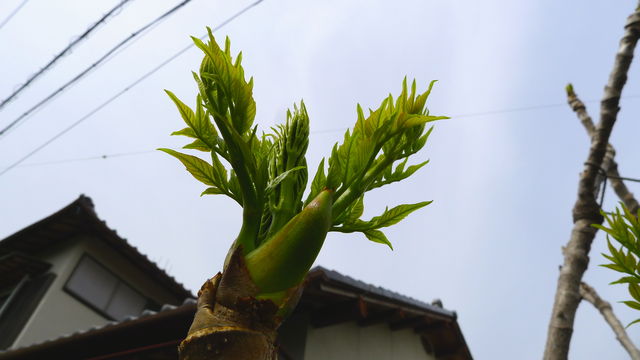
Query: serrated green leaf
x=234 y=186
x=612 y=250
x=274 y=182
x=187 y=114
x=610 y=258
x=200 y=169
x=219 y=171
x=398 y=174
x=378 y=236
x=199 y=125
x=630 y=261
x=615 y=267
x=396 y=214
x=634 y=290
x=421 y=120
x=185 y=132
x=198 y=144
x=318 y=183
x=231 y=93
x=213 y=191
x=388 y=218
x=335 y=173
x=626 y=280
x=355 y=211
x=633 y=322
x=632 y=304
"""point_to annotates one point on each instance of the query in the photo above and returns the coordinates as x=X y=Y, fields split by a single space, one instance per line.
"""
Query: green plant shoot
x=624 y=227
x=266 y=172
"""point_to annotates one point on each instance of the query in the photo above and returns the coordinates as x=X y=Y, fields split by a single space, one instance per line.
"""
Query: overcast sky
x=503 y=182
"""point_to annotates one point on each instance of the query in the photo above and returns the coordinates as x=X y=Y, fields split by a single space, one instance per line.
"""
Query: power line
x=93 y=66
x=527 y=108
x=121 y=92
x=496 y=112
x=325 y=131
x=13 y=13
x=62 y=53
x=89 y=158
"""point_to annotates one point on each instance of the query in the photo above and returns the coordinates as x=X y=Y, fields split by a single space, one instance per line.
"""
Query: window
x=96 y=286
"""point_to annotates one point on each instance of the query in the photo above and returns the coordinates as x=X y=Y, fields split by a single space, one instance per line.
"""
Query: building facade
x=71 y=288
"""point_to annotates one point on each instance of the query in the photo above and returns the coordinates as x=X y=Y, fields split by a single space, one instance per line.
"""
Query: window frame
x=119 y=281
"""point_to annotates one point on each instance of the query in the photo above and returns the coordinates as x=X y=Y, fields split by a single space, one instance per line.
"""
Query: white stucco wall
x=60 y=313
x=350 y=341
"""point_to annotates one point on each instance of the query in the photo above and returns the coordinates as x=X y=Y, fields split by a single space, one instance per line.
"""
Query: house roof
x=80 y=218
x=329 y=298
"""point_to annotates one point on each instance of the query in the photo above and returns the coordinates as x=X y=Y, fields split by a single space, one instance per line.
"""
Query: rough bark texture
x=613 y=175
x=230 y=323
x=586 y=209
x=588 y=293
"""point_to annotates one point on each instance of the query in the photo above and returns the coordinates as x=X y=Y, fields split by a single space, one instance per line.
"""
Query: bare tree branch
x=586 y=210
x=588 y=293
x=617 y=184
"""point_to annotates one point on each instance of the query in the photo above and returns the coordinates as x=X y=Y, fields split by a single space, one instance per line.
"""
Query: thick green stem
x=251 y=210
x=249 y=230
x=284 y=259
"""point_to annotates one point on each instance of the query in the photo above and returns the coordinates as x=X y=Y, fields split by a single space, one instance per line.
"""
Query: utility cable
x=62 y=53
x=121 y=92
x=470 y=115
x=93 y=66
x=527 y=108
x=89 y=158
x=13 y=13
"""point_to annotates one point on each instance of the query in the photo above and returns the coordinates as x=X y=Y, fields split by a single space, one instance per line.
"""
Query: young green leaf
x=318 y=183
x=200 y=169
x=213 y=191
x=632 y=304
x=377 y=236
x=626 y=280
x=275 y=182
x=634 y=290
x=633 y=322
x=389 y=217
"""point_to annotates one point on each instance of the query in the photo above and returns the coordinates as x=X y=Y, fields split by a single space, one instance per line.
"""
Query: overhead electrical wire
x=469 y=115
x=62 y=53
x=88 y=158
x=93 y=66
x=12 y=14
x=127 y=88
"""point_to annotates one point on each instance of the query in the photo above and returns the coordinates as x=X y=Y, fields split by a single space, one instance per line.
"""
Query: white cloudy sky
x=503 y=182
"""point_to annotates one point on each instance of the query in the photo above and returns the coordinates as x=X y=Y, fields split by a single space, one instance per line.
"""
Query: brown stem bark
x=589 y=294
x=586 y=210
x=617 y=184
x=230 y=323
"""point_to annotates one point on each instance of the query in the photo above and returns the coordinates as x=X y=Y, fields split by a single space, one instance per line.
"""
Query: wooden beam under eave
x=382 y=316
x=430 y=327
x=407 y=323
x=349 y=310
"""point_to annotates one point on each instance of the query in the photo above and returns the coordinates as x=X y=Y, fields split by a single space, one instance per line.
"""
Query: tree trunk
x=586 y=210
x=230 y=323
x=587 y=292
x=613 y=175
